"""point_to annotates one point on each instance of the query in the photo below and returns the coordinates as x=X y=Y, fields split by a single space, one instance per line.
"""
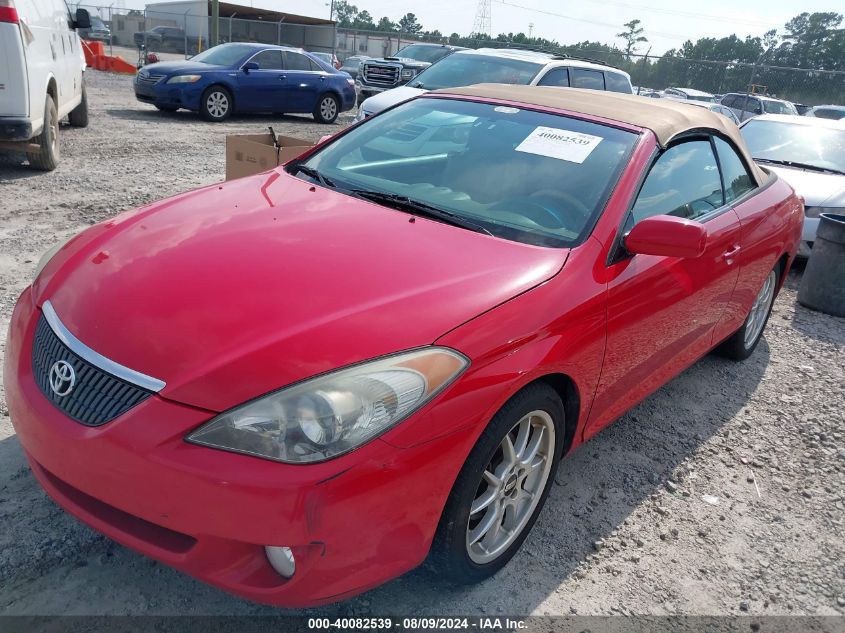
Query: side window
x=295 y=61
x=555 y=77
x=684 y=182
x=268 y=60
x=730 y=101
x=617 y=82
x=737 y=179
x=755 y=106
x=582 y=78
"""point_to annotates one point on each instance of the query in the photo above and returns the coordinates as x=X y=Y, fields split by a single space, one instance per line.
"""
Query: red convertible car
x=301 y=384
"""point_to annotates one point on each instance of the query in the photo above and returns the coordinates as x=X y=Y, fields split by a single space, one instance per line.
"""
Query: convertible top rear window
x=519 y=174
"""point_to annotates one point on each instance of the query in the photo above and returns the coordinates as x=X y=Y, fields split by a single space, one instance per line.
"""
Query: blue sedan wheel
x=327 y=109
x=216 y=104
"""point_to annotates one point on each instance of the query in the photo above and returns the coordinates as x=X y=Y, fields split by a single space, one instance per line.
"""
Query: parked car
x=716 y=107
x=247 y=78
x=328 y=58
x=97 y=31
x=834 y=112
x=746 y=106
x=809 y=154
x=690 y=94
x=301 y=384
x=351 y=65
x=378 y=75
x=509 y=66
x=40 y=83
x=162 y=38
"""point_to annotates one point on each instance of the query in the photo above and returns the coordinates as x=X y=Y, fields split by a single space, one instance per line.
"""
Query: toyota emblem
x=62 y=378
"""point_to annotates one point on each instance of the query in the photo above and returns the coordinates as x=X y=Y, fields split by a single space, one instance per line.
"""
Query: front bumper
x=170 y=95
x=353 y=522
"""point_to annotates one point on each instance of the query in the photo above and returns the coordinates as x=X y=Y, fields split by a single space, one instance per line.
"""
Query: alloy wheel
x=511 y=487
x=328 y=108
x=217 y=104
x=760 y=310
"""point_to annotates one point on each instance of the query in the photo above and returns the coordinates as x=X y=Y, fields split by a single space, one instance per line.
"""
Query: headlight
x=184 y=79
x=324 y=417
x=815 y=212
x=407 y=74
x=350 y=81
x=48 y=255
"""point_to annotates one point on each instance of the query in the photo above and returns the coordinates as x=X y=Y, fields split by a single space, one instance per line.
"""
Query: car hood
x=172 y=68
x=818 y=189
x=384 y=100
x=231 y=291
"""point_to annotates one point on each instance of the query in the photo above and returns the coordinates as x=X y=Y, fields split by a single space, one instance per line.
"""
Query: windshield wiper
x=312 y=173
x=417 y=207
x=797 y=165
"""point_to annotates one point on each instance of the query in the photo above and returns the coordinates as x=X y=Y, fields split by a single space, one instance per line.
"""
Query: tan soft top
x=667 y=118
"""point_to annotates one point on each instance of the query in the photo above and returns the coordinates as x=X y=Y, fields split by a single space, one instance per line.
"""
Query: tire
x=47 y=158
x=164 y=108
x=216 y=104
x=327 y=109
x=453 y=556
x=744 y=341
x=78 y=117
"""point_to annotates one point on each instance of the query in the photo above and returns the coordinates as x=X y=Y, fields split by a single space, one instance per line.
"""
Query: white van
x=41 y=76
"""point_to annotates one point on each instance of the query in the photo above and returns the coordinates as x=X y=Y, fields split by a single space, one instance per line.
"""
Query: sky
x=666 y=23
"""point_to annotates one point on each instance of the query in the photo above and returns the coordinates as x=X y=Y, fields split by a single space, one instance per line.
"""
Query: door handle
x=730 y=254
x=282 y=77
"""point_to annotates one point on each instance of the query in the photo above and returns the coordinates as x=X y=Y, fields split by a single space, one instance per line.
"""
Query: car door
x=262 y=89
x=304 y=81
x=662 y=311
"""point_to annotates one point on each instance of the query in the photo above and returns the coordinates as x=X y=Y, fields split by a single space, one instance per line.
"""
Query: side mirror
x=250 y=66
x=667 y=236
x=82 y=20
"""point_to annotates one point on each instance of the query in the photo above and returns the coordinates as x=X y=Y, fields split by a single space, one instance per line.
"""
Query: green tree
x=386 y=24
x=633 y=36
x=364 y=21
x=345 y=13
x=408 y=23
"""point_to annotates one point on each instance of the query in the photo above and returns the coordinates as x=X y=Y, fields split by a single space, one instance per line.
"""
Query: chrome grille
x=97 y=397
x=148 y=79
x=382 y=75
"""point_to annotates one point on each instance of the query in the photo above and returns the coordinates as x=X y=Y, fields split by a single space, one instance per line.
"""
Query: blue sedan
x=247 y=78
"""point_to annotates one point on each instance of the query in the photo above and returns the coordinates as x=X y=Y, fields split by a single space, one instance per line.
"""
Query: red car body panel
x=203 y=292
x=264 y=281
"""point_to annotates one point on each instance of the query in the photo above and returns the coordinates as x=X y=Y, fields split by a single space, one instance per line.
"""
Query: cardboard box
x=248 y=154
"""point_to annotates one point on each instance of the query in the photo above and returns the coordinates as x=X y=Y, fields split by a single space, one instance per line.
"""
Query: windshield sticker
x=506 y=110
x=574 y=147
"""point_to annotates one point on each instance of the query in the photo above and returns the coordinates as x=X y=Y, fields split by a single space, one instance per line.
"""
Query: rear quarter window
x=617 y=82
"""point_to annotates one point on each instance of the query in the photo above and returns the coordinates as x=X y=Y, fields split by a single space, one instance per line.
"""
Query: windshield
x=467 y=69
x=518 y=174
x=778 y=107
x=428 y=54
x=779 y=140
x=224 y=55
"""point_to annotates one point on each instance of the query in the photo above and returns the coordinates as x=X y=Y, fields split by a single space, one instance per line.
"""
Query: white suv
x=503 y=66
x=41 y=76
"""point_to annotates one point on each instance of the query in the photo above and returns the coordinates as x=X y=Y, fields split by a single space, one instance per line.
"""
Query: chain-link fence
x=187 y=33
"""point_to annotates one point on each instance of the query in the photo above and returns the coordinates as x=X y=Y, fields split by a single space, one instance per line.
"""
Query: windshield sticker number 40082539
x=574 y=147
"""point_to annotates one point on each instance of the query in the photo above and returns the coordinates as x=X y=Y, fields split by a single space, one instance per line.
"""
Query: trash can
x=823 y=285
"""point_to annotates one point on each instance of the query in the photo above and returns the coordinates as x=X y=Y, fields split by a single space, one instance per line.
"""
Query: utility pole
x=482 y=18
x=530 y=30
x=214 y=36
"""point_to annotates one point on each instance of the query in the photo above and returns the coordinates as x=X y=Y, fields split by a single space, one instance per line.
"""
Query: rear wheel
x=743 y=342
x=216 y=104
x=47 y=158
x=501 y=488
x=78 y=117
x=327 y=109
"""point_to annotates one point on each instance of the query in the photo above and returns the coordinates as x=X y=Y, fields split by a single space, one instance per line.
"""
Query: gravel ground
x=723 y=493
